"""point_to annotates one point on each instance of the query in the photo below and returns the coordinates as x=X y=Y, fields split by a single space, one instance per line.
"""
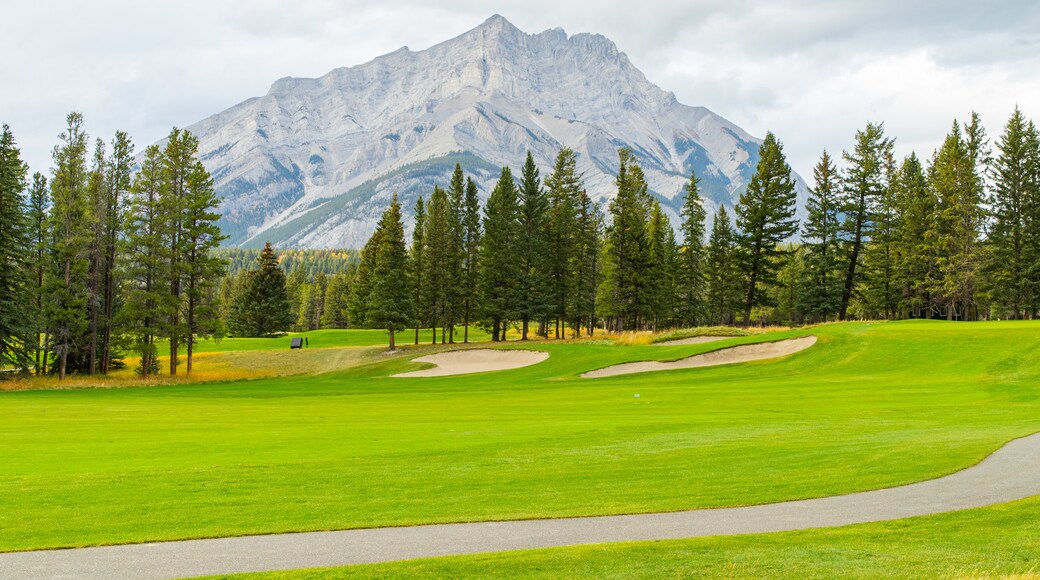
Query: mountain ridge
x=359 y=133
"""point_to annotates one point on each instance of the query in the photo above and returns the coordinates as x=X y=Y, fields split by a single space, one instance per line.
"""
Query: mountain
x=313 y=163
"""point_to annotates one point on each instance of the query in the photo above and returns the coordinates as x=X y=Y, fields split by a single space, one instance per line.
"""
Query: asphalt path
x=1011 y=473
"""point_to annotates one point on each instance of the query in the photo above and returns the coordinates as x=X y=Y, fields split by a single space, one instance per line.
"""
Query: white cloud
x=812 y=72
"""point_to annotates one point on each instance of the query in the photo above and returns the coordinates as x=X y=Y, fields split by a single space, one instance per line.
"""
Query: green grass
x=996 y=541
x=329 y=339
x=870 y=406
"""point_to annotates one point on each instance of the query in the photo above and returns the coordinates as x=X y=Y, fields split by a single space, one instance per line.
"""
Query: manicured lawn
x=997 y=541
x=329 y=339
x=871 y=405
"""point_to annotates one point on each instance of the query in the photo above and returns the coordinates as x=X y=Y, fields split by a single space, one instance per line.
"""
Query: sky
x=813 y=72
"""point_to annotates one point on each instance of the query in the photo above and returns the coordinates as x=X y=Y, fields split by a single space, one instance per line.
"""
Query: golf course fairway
x=870 y=405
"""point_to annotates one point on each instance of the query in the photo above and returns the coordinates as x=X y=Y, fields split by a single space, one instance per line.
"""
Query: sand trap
x=461 y=362
x=692 y=340
x=736 y=354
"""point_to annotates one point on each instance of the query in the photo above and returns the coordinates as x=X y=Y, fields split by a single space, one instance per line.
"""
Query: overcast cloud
x=812 y=72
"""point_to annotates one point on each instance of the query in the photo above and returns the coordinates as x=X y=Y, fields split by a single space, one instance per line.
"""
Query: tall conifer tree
x=691 y=256
x=499 y=255
x=820 y=296
x=16 y=328
x=534 y=263
x=390 y=301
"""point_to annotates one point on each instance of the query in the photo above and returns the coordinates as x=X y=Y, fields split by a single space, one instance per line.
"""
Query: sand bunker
x=692 y=340
x=736 y=354
x=461 y=362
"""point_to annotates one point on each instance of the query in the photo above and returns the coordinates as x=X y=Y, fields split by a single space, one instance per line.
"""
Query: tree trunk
x=393 y=346
x=523 y=331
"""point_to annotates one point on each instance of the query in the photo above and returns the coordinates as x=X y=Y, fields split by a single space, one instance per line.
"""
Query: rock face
x=313 y=163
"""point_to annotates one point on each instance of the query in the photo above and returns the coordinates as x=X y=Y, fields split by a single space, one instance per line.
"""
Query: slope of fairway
x=870 y=406
x=328 y=339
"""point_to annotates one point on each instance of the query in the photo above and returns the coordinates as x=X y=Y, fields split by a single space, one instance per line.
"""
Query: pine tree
x=438 y=255
x=361 y=285
x=959 y=218
x=586 y=272
x=294 y=291
x=691 y=256
x=471 y=254
x=661 y=268
x=177 y=157
x=147 y=301
x=765 y=217
x=564 y=188
x=628 y=275
x=419 y=265
x=16 y=328
x=881 y=296
x=335 y=315
x=70 y=226
x=1014 y=191
x=119 y=167
x=199 y=237
x=915 y=258
x=820 y=295
x=454 y=254
x=724 y=276
x=499 y=256
x=534 y=264
x=863 y=184
x=262 y=307
x=96 y=193
x=38 y=223
x=390 y=301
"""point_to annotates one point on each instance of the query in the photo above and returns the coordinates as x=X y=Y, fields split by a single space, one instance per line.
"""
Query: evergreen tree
x=765 y=217
x=628 y=276
x=454 y=254
x=1015 y=193
x=534 y=264
x=96 y=194
x=199 y=237
x=335 y=315
x=471 y=253
x=38 y=224
x=438 y=255
x=499 y=256
x=361 y=285
x=691 y=256
x=419 y=265
x=147 y=301
x=586 y=273
x=881 y=296
x=16 y=327
x=177 y=159
x=863 y=184
x=390 y=301
x=262 y=307
x=724 y=277
x=959 y=218
x=294 y=291
x=119 y=168
x=70 y=226
x=564 y=188
x=820 y=295
x=915 y=257
x=661 y=268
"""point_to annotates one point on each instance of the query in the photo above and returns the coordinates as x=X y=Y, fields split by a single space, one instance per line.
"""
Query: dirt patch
x=736 y=354
x=691 y=340
x=461 y=362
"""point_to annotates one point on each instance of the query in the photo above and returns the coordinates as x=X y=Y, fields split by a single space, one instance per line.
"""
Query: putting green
x=869 y=406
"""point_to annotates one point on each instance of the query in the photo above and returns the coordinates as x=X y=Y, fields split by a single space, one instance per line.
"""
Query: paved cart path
x=1011 y=473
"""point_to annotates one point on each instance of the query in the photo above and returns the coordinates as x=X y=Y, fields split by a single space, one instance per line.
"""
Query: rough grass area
x=869 y=406
x=996 y=542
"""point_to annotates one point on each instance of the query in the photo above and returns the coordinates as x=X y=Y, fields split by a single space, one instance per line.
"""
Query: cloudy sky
x=810 y=71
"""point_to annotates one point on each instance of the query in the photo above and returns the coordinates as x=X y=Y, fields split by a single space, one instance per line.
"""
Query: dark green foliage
x=820 y=295
x=690 y=282
x=661 y=273
x=916 y=260
x=471 y=235
x=16 y=290
x=390 y=300
x=39 y=243
x=419 y=295
x=439 y=255
x=336 y=293
x=262 y=306
x=862 y=186
x=586 y=273
x=724 y=277
x=66 y=288
x=626 y=278
x=534 y=266
x=499 y=256
x=564 y=188
x=765 y=217
x=357 y=302
x=1014 y=271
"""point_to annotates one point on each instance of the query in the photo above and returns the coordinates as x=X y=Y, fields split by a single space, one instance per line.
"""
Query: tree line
x=956 y=237
x=110 y=255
